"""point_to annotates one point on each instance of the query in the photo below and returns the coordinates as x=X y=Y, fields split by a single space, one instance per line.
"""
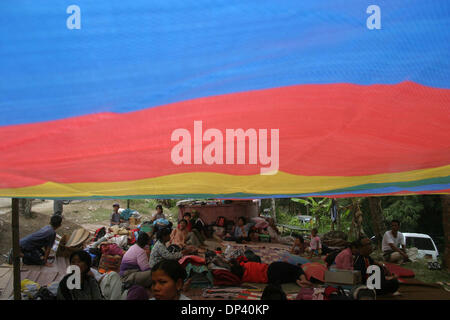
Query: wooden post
x=338 y=217
x=274 y=211
x=376 y=213
x=16 y=248
x=445 y=198
x=128 y=204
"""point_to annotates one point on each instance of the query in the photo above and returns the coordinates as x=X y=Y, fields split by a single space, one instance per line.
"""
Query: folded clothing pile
x=111 y=258
x=225 y=278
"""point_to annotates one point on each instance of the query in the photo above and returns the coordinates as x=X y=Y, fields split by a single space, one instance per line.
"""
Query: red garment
x=344 y=260
x=112 y=249
x=315 y=270
x=189 y=226
x=225 y=278
x=255 y=272
x=399 y=271
x=241 y=259
x=195 y=260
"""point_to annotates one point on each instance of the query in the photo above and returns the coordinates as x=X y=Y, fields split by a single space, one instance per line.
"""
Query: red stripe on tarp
x=325 y=130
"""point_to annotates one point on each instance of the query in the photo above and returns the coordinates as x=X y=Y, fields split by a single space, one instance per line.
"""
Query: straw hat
x=78 y=237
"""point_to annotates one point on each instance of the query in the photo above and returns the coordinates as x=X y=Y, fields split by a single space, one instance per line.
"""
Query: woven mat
x=267 y=254
x=256 y=295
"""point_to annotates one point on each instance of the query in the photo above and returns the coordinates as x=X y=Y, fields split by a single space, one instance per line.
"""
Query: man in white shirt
x=393 y=244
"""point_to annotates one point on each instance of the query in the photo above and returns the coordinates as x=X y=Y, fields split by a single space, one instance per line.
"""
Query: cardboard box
x=349 y=277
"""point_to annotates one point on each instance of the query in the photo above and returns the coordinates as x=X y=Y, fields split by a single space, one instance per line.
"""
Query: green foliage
x=422 y=272
x=407 y=210
x=286 y=218
x=319 y=209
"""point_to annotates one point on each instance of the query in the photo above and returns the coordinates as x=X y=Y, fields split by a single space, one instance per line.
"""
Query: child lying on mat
x=275 y=273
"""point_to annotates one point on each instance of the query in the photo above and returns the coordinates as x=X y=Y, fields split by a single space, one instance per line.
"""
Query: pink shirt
x=136 y=256
x=315 y=243
x=344 y=260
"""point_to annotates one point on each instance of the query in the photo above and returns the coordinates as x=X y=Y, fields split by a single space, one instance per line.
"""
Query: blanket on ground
x=399 y=271
x=256 y=295
x=413 y=289
x=267 y=254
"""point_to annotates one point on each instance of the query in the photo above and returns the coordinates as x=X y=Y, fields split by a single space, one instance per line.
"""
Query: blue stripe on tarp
x=131 y=55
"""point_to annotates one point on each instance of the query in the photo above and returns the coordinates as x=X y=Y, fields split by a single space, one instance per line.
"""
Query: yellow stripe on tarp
x=217 y=183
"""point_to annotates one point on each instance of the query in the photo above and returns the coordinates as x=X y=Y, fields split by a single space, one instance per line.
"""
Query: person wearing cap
x=115 y=215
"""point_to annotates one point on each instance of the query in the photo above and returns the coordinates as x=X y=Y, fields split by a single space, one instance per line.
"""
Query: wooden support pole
x=16 y=248
x=445 y=198
x=274 y=210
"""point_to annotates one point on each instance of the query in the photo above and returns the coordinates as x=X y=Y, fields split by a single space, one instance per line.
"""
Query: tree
x=376 y=213
x=357 y=218
x=25 y=207
x=274 y=211
x=405 y=209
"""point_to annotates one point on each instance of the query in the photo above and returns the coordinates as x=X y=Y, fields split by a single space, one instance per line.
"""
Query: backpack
x=98 y=254
x=220 y=221
x=45 y=294
x=338 y=293
x=361 y=291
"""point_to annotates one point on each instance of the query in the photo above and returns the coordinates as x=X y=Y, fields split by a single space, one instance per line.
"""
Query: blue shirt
x=44 y=237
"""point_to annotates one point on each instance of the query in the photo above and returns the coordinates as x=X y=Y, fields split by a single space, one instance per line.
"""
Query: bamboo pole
x=16 y=248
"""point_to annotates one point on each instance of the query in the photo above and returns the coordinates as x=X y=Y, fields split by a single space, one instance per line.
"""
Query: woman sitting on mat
x=240 y=232
x=89 y=288
x=134 y=267
x=160 y=251
x=181 y=237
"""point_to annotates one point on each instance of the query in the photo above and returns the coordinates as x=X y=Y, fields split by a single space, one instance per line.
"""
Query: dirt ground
x=91 y=215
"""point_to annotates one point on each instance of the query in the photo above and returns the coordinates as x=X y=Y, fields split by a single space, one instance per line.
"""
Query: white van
x=423 y=243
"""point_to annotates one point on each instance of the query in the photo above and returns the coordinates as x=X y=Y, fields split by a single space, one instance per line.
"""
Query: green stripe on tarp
x=440 y=183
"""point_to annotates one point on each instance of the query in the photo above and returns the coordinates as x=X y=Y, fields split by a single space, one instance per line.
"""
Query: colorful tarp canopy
x=147 y=97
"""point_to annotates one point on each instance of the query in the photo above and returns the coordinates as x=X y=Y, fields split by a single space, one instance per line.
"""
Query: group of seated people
x=245 y=232
x=161 y=272
x=166 y=280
